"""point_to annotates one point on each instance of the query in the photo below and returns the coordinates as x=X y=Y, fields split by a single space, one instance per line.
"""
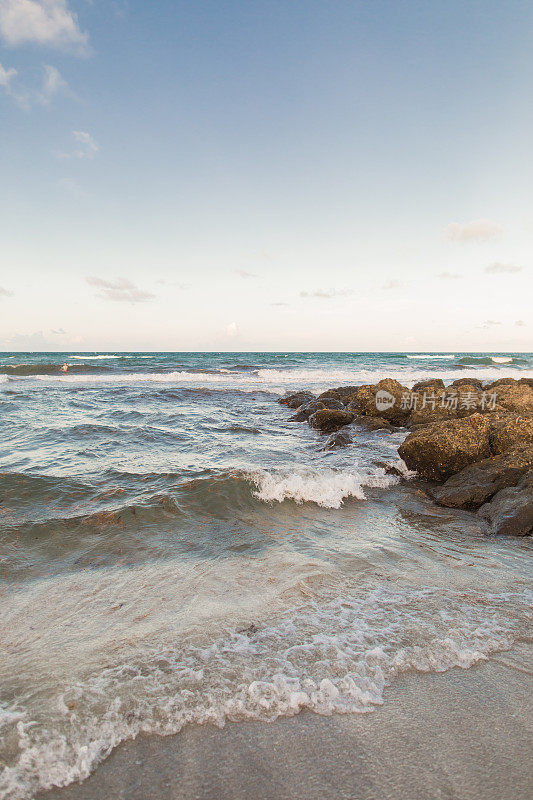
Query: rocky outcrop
x=329 y=421
x=510 y=430
x=373 y=423
x=478 y=483
x=339 y=439
x=296 y=399
x=510 y=512
x=304 y=412
x=430 y=383
x=440 y=450
x=384 y=400
x=515 y=397
x=468 y=382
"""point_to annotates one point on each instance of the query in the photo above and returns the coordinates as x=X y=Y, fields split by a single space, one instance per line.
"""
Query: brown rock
x=373 y=423
x=372 y=401
x=510 y=512
x=339 y=439
x=331 y=394
x=510 y=430
x=515 y=397
x=433 y=383
x=440 y=450
x=500 y=382
x=328 y=421
x=477 y=483
x=472 y=382
x=296 y=399
x=305 y=411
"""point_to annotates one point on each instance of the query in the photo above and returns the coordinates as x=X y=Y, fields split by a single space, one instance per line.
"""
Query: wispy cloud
x=5 y=292
x=498 y=268
x=58 y=332
x=478 y=230
x=392 y=284
x=327 y=294
x=489 y=323
x=520 y=323
x=448 y=276
x=45 y=22
x=183 y=286
x=242 y=273
x=121 y=290
x=52 y=84
x=232 y=330
x=85 y=147
x=6 y=76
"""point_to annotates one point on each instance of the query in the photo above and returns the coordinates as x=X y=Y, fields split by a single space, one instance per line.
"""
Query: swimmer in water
x=64 y=368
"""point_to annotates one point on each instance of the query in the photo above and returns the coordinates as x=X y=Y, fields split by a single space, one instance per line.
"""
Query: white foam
x=327 y=488
x=331 y=657
x=501 y=359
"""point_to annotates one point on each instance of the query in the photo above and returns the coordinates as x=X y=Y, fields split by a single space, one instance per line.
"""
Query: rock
x=305 y=411
x=346 y=391
x=500 y=382
x=434 y=383
x=526 y=381
x=515 y=397
x=426 y=414
x=353 y=401
x=468 y=382
x=296 y=399
x=339 y=439
x=510 y=430
x=328 y=421
x=477 y=483
x=373 y=423
x=332 y=404
x=440 y=450
x=510 y=512
x=331 y=394
x=384 y=400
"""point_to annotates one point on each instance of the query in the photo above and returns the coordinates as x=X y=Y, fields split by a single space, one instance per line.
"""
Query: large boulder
x=331 y=394
x=500 y=382
x=510 y=512
x=338 y=439
x=346 y=391
x=430 y=383
x=385 y=399
x=373 y=423
x=468 y=382
x=440 y=450
x=296 y=399
x=515 y=397
x=304 y=412
x=329 y=421
x=477 y=483
x=510 y=430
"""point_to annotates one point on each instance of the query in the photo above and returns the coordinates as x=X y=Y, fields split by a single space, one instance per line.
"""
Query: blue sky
x=266 y=175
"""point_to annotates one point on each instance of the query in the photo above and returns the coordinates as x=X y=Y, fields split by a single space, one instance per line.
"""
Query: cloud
x=86 y=146
x=490 y=322
x=327 y=294
x=520 y=323
x=448 y=276
x=53 y=83
x=182 y=286
x=244 y=274
x=121 y=290
x=232 y=330
x=392 y=284
x=6 y=76
x=478 y=230
x=498 y=267
x=29 y=342
x=59 y=332
x=46 y=22
x=5 y=292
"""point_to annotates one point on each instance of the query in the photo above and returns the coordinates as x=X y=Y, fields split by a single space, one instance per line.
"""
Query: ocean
x=174 y=550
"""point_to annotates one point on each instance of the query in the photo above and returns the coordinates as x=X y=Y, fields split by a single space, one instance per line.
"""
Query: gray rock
x=510 y=512
x=296 y=399
x=328 y=421
x=339 y=439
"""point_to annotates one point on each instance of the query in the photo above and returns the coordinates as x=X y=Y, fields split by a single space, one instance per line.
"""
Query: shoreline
x=462 y=734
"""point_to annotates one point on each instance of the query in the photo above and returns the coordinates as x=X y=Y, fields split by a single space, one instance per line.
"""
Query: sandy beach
x=462 y=735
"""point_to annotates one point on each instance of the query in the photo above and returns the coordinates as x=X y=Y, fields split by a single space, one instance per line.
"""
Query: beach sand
x=459 y=735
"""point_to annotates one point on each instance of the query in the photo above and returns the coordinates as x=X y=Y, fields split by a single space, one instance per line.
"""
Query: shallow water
x=175 y=550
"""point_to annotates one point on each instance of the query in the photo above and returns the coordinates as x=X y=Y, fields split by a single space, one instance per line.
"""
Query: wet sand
x=460 y=735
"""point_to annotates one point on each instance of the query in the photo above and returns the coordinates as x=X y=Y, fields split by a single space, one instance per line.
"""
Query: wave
x=327 y=488
x=334 y=656
x=482 y=360
x=27 y=370
x=426 y=356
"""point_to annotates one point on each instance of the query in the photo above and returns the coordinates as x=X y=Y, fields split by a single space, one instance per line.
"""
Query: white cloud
x=498 y=267
x=58 y=332
x=490 y=322
x=53 y=83
x=448 y=276
x=478 y=230
x=121 y=290
x=244 y=274
x=6 y=76
x=232 y=330
x=45 y=22
x=5 y=292
x=392 y=284
x=86 y=146
x=520 y=323
x=327 y=294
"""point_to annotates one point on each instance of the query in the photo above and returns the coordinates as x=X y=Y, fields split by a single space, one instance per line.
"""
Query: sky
x=266 y=175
